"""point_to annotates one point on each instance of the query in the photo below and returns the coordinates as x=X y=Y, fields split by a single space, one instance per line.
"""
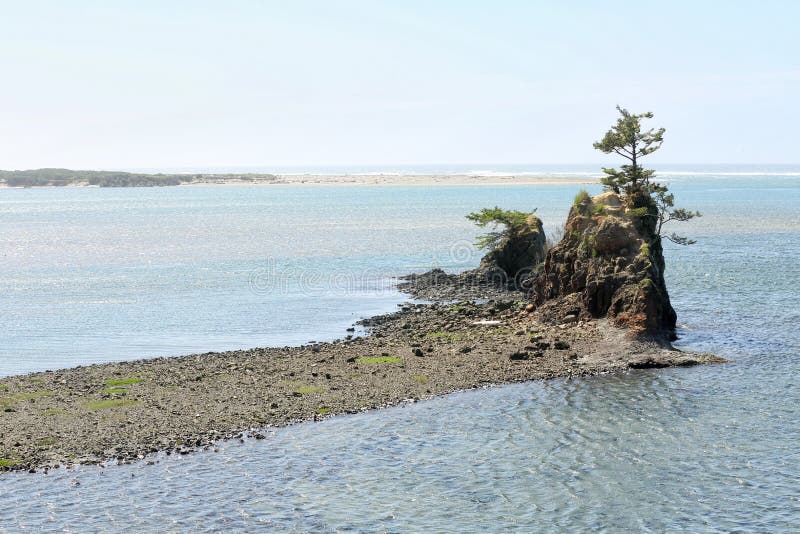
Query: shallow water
x=93 y=275
x=702 y=449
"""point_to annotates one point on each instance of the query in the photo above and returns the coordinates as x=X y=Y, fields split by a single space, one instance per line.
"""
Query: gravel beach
x=122 y=412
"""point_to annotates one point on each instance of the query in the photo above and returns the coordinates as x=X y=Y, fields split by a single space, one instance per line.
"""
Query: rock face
x=609 y=264
x=502 y=272
x=518 y=253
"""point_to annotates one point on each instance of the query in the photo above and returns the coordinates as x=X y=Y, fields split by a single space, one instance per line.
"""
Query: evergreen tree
x=648 y=198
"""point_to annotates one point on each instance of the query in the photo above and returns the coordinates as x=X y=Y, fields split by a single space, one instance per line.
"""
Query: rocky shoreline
x=595 y=302
x=123 y=412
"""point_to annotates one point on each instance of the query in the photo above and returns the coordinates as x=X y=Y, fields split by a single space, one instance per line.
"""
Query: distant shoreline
x=400 y=180
x=79 y=179
x=410 y=177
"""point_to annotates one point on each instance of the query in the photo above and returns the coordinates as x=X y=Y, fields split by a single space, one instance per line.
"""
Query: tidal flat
x=123 y=412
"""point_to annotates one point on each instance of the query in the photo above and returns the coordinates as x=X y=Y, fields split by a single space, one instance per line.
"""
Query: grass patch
x=305 y=390
x=3 y=388
x=53 y=411
x=110 y=403
x=600 y=209
x=8 y=462
x=323 y=411
x=47 y=442
x=115 y=391
x=379 y=359
x=27 y=396
x=419 y=379
x=582 y=195
x=123 y=381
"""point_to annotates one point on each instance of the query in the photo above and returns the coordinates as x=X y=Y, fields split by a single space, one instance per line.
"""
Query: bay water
x=92 y=275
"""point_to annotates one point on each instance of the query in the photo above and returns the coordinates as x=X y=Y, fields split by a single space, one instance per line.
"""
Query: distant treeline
x=64 y=177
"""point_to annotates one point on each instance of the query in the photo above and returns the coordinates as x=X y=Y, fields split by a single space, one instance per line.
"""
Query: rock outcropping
x=518 y=252
x=609 y=264
x=506 y=269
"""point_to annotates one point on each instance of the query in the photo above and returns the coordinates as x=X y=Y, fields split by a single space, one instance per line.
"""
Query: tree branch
x=623 y=155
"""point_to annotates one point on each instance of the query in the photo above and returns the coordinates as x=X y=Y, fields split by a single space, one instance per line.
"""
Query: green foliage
x=628 y=139
x=107 y=404
x=504 y=223
x=665 y=202
x=27 y=396
x=115 y=391
x=600 y=209
x=323 y=411
x=581 y=197
x=420 y=379
x=6 y=463
x=123 y=381
x=64 y=177
x=638 y=212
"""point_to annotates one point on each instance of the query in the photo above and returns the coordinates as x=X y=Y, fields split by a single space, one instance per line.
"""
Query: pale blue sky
x=166 y=84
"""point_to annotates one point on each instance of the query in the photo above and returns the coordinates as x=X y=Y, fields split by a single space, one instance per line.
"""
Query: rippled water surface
x=92 y=275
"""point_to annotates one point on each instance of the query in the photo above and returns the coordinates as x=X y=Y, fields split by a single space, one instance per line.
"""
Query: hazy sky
x=170 y=84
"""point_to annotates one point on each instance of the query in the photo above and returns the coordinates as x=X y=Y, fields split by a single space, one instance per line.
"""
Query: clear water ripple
x=711 y=449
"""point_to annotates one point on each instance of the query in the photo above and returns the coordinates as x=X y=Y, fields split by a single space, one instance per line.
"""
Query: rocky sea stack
x=608 y=264
x=514 y=257
x=518 y=252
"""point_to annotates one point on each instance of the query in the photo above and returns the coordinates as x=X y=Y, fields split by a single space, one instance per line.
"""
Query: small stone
x=418 y=352
x=487 y=323
x=570 y=319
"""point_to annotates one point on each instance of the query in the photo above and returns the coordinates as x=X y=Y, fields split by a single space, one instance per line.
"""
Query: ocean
x=93 y=275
